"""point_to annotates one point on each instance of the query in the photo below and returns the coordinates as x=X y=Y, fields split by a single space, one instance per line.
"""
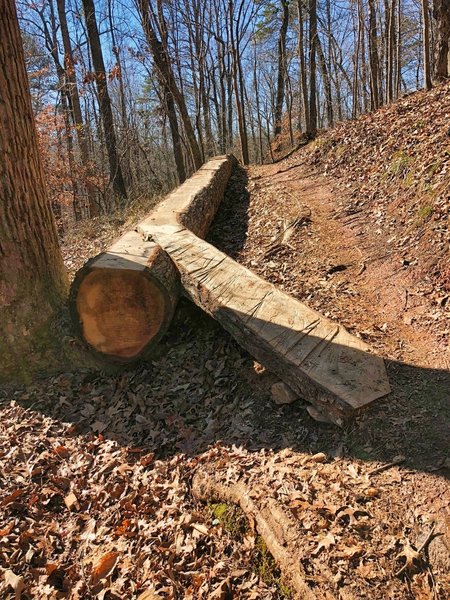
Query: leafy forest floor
x=97 y=469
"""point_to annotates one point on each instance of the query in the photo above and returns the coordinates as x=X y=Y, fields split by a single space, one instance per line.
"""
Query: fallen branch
x=397 y=461
x=286 y=232
x=277 y=529
x=291 y=152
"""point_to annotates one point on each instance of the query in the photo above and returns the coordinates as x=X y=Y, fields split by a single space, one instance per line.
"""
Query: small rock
x=282 y=393
x=317 y=415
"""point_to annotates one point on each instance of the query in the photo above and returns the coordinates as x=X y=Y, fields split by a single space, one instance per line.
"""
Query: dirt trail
x=372 y=291
x=338 y=264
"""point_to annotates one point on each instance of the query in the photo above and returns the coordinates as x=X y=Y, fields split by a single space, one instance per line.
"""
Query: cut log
x=123 y=300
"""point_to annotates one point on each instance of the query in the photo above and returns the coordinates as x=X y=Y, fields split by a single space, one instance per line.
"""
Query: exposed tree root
x=277 y=529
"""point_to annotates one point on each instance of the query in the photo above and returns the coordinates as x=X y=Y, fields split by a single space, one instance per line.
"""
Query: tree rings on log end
x=123 y=300
x=120 y=311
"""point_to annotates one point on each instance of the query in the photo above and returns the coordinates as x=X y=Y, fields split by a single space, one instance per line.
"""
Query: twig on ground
x=397 y=461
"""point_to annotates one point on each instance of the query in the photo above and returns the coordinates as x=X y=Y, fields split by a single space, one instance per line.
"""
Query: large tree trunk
x=115 y=170
x=441 y=14
x=32 y=276
x=281 y=67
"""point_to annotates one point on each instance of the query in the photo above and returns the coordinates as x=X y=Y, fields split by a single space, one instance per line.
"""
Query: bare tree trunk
x=115 y=171
x=373 y=58
x=32 y=276
x=289 y=105
x=355 y=87
x=363 y=77
x=69 y=67
x=312 y=68
x=426 y=45
x=258 y=106
x=441 y=14
x=238 y=84
x=281 y=67
x=398 y=52
x=175 y=134
x=326 y=82
x=123 y=103
x=301 y=54
x=390 y=39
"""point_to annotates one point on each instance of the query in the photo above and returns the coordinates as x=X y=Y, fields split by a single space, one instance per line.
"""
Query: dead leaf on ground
x=326 y=542
x=15 y=582
x=104 y=567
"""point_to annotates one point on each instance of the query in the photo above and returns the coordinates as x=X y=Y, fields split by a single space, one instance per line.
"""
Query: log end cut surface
x=120 y=311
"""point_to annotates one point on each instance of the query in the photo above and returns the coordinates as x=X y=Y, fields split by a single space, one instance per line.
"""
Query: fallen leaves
x=326 y=542
x=15 y=582
x=104 y=567
x=71 y=501
x=409 y=557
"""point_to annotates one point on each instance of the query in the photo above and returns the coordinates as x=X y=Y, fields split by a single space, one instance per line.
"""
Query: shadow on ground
x=203 y=388
x=229 y=230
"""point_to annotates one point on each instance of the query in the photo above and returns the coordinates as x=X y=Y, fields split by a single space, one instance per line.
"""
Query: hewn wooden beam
x=318 y=358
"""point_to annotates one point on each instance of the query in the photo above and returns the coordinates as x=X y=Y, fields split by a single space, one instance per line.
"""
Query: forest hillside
x=224 y=300
x=142 y=478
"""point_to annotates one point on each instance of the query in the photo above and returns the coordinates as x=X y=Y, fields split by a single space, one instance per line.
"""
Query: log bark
x=277 y=528
x=123 y=300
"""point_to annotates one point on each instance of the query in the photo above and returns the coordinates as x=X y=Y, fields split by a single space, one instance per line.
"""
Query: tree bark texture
x=441 y=14
x=312 y=69
x=373 y=58
x=426 y=45
x=32 y=276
